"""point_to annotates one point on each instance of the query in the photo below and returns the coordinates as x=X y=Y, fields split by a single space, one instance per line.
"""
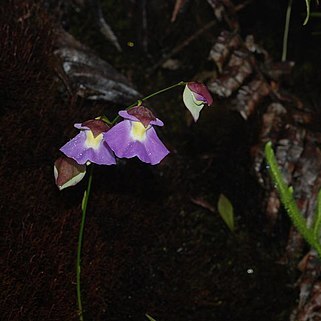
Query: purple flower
x=90 y=145
x=135 y=136
x=195 y=96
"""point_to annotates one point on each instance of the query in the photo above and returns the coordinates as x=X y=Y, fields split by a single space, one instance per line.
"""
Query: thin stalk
x=307 y=4
x=286 y=30
x=80 y=239
x=181 y=83
x=138 y=102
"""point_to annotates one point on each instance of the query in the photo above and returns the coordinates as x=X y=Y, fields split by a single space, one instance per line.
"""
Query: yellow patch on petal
x=91 y=141
x=138 y=131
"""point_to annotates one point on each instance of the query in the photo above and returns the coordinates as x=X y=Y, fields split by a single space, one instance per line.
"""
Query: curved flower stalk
x=195 y=96
x=135 y=136
x=90 y=144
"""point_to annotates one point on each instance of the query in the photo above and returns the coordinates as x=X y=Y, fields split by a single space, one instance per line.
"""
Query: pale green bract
x=193 y=105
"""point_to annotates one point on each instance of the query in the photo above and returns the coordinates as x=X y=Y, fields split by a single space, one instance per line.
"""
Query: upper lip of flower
x=96 y=126
x=201 y=91
x=144 y=115
x=154 y=121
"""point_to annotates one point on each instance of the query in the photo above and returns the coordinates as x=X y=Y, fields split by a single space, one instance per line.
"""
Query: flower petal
x=124 y=114
x=77 y=149
x=143 y=114
x=157 y=122
x=119 y=139
x=201 y=92
x=154 y=147
x=101 y=156
x=150 y=150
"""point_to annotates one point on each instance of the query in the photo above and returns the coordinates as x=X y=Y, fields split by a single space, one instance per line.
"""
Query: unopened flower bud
x=68 y=172
x=195 y=96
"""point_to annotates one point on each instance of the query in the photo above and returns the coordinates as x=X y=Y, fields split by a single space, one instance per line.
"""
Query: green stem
x=138 y=102
x=286 y=30
x=307 y=4
x=80 y=239
x=286 y=196
x=181 y=83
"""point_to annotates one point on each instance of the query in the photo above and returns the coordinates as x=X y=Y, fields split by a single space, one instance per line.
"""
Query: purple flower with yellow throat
x=195 y=96
x=135 y=136
x=90 y=144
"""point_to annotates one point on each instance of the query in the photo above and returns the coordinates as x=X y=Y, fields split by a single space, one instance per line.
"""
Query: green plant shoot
x=311 y=235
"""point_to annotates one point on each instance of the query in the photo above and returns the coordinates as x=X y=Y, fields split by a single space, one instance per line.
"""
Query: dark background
x=148 y=248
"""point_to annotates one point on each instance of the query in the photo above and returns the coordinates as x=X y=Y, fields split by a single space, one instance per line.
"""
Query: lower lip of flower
x=91 y=141
x=197 y=99
x=138 y=131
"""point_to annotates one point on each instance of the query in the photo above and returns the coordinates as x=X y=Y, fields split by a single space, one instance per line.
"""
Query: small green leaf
x=225 y=209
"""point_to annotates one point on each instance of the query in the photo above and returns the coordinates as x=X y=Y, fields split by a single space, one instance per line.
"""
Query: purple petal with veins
x=146 y=145
x=81 y=151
